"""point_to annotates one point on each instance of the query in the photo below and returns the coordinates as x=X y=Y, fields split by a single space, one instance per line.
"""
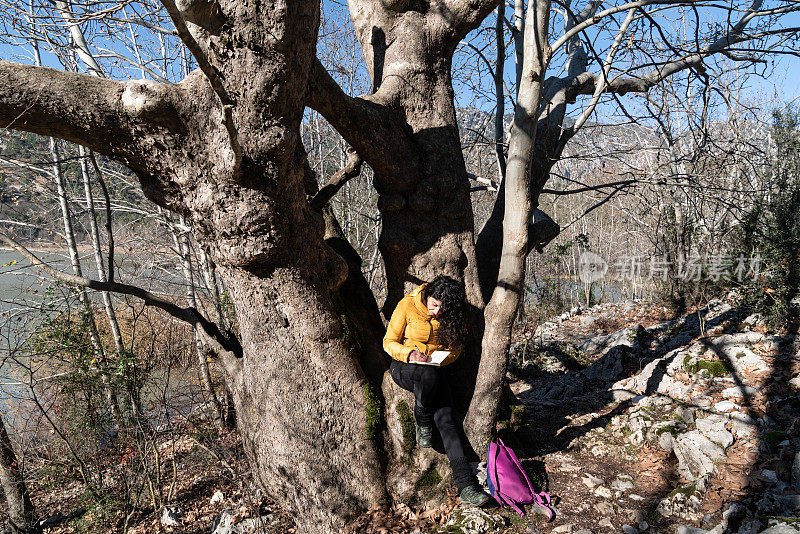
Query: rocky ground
x=688 y=425
x=633 y=422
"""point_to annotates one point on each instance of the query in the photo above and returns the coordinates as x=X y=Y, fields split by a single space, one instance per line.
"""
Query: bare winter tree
x=222 y=148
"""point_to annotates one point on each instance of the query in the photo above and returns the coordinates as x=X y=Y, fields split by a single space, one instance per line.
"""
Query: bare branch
x=190 y=315
x=351 y=169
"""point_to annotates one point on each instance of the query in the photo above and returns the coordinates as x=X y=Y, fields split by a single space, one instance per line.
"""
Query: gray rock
x=739 y=338
x=253 y=525
x=605 y=523
x=592 y=481
x=738 y=392
x=622 y=483
x=782 y=505
x=171 y=516
x=753 y=320
x=703 y=401
x=609 y=367
x=602 y=491
x=749 y=527
x=726 y=406
x=682 y=529
x=674 y=389
x=636 y=516
x=696 y=454
x=781 y=528
x=713 y=427
x=744 y=359
x=770 y=475
x=796 y=473
x=583 y=531
x=475 y=521
x=217 y=497
x=604 y=508
x=628 y=529
x=687 y=413
x=627 y=337
x=666 y=441
x=743 y=425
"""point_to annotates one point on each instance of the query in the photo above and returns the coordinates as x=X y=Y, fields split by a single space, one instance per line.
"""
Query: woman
x=433 y=317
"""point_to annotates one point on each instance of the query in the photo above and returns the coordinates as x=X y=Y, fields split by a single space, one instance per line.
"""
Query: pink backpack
x=508 y=482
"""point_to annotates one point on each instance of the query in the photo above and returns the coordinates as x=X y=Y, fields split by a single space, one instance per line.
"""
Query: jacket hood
x=416 y=297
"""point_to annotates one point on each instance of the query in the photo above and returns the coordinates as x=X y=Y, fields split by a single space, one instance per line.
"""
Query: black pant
x=434 y=404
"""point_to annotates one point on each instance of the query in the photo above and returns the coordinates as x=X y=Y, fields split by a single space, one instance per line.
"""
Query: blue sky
x=782 y=81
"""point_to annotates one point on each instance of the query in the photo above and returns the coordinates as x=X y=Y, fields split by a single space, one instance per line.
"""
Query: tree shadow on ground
x=595 y=402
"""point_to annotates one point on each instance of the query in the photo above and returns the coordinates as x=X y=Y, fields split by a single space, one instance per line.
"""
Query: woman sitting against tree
x=433 y=317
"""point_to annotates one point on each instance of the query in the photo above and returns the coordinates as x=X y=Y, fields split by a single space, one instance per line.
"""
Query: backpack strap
x=512 y=504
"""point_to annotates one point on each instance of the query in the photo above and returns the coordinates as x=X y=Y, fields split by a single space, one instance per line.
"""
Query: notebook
x=437 y=357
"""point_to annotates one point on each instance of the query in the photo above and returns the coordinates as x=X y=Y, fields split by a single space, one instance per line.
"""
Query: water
x=28 y=296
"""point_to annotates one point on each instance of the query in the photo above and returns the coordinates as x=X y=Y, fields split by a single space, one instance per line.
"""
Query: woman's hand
x=417 y=356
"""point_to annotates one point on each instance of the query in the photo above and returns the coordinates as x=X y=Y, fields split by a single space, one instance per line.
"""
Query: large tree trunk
x=301 y=399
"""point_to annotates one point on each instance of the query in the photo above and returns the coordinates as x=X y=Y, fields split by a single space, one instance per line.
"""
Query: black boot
x=468 y=488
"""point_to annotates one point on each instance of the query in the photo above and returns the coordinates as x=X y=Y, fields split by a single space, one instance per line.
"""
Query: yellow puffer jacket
x=413 y=327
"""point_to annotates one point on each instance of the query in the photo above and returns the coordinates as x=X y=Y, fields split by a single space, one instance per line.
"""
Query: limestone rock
x=622 y=483
x=627 y=337
x=605 y=523
x=781 y=528
x=666 y=441
x=475 y=521
x=609 y=367
x=171 y=516
x=229 y=523
x=744 y=359
x=696 y=454
x=713 y=427
x=738 y=392
x=592 y=481
x=726 y=406
x=602 y=491
x=604 y=508
x=743 y=425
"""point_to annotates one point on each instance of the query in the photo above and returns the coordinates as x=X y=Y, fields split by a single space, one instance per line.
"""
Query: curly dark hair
x=453 y=329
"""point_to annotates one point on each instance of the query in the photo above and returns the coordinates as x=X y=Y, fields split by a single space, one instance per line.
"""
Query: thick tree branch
x=213 y=76
x=190 y=315
x=465 y=15
x=105 y=115
x=376 y=134
x=351 y=169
